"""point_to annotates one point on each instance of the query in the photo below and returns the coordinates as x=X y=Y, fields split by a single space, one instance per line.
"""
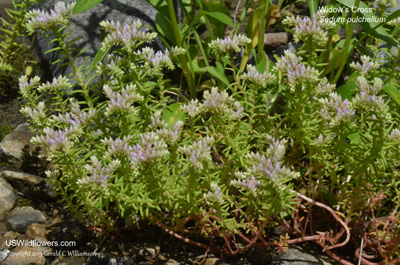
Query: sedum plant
x=232 y=161
x=119 y=152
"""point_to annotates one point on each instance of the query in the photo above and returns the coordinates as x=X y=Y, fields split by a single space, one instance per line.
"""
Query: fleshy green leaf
x=219 y=28
x=218 y=72
x=98 y=58
x=221 y=17
x=354 y=137
x=348 y=89
x=172 y=114
x=393 y=92
x=313 y=4
x=83 y=5
x=164 y=26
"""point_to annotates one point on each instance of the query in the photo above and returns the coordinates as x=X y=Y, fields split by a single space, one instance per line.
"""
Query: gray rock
x=86 y=25
x=31 y=185
x=291 y=46
x=15 y=178
x=5 y=241
x=7 y=198
x=11 y=235
x=14 y=145
x=21 y=217
x=4 y=254
x=279 y=231
x=25 y=256
x=3 y=5
x=260 y=255
x=299 y=256
x=3 y=229
x=36 y=231
x=276 y=39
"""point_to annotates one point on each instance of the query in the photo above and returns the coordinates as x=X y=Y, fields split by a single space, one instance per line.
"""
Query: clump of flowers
x=214 y=195
x=310 y=29
x=199 y=152
x=296 y=72
x=229 y=44
x=257 y=78
x=118 y=140
x=121 y=101
x=395 y=22
x=98 y=174
x=366 y=67
x=267 y=167
x=368 y=98
x=127 y=35
x=48 y=19
x=335 y=110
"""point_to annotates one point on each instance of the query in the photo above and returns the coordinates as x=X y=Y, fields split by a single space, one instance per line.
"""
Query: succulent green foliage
x=135 y=151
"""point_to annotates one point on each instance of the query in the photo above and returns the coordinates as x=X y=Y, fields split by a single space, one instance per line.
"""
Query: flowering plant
x=115 y=152
x=240 y=157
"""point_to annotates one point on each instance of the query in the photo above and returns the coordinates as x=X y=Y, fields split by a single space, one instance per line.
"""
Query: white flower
x=199 y=152
x=127 y=35
x=214 y=195
x=306 y=28
x=26 y=86
x=37 y=115
x=228 y=44
x=191 y=108
x=297 y=73
x=58 y=84
x=255 y=77
x=367 y=65
x=45 y=20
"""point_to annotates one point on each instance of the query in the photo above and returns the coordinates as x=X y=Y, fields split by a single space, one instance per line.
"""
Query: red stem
x=332 y=212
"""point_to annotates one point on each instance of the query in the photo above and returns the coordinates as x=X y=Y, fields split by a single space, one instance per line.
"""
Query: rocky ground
x=31 y=212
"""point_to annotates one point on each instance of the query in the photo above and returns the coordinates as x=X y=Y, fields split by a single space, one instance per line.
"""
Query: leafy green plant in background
x=215 y=17
x=336 y=54
x=254 y=150
x=4 y=130
x=11 y=31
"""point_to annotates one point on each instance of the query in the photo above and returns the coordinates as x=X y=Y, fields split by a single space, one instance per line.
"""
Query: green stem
x=347 y=44
x=311 y=50
x=328 y=51
x=233 y=67
x=178 y=38
x=61 y=39
x=396 y=60
x=263 y=7
x=175 y=158
x=299 y=116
